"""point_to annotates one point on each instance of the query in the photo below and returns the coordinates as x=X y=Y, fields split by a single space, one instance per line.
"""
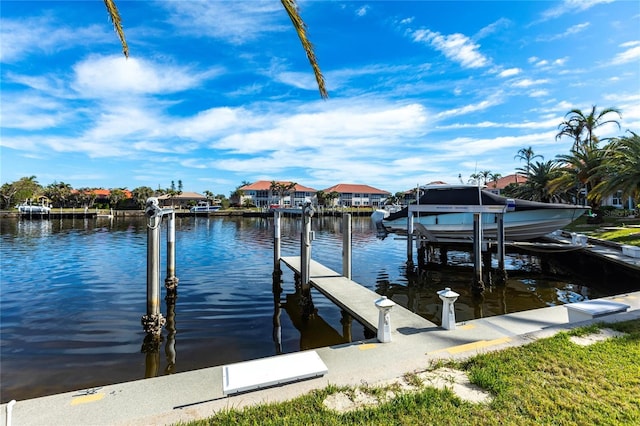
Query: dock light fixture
x=384 y=306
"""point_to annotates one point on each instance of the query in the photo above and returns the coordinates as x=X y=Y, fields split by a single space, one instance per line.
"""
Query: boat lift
x=153 y=321
x=477 y=211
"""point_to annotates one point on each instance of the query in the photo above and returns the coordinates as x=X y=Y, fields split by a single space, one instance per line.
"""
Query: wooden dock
x=354 y=298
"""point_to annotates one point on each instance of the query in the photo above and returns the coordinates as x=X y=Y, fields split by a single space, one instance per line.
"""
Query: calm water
x=73 y=293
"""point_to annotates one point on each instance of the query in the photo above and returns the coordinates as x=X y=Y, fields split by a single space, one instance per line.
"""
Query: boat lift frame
x=477 y=211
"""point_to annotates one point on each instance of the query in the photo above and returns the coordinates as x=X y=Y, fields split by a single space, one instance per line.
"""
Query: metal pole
x=153 y=321
x=346 y=246
x=305 y=252
x=305 y=261
x=276 y=242
x=478 y=284
x=410 y=238
x=502 y=272
x=171 y=281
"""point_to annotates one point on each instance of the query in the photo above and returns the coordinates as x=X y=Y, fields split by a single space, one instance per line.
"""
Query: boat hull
x=34 y=209
x=518 y=226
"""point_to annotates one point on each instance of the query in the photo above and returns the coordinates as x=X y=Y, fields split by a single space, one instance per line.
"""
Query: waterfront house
x=357 y=195
x=182 y=200
x=263 y=193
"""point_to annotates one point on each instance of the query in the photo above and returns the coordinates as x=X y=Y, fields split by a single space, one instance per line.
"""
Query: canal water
x=73 y=292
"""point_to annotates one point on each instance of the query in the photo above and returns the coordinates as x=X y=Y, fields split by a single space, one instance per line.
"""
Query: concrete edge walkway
x=198 y=394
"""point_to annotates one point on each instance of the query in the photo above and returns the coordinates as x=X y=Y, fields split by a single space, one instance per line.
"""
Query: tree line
x=63 y=195
x=589 y=173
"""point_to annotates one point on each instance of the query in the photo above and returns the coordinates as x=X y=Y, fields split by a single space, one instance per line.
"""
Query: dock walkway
x=352 y=297
x=611 y=252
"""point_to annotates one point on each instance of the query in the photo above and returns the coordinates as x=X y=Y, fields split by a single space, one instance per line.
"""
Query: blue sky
x=217 y=93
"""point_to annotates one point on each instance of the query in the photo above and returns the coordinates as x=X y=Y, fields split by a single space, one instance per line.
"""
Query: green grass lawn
x=551 y=381
x=619 y=230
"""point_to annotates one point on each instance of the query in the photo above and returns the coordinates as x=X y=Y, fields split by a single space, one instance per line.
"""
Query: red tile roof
x=265 y=185
x=349 y=188
x=506 y=180
x=104 y=193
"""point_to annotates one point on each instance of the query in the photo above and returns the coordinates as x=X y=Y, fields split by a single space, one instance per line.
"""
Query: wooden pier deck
x=354 y=298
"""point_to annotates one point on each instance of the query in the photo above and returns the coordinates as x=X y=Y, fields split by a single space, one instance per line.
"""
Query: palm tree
x=494 y=178
x=141 y=194
x=576 y=123
x=331 y=197
x=581 y=171
x=536 y=188
x=59 y=193
x=115 y=196
x=475 y=178
x=528 y=155
x=290 y=7
x=622 y=167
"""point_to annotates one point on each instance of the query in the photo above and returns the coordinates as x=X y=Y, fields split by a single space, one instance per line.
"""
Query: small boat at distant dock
x=204 y=207
x=27 y=208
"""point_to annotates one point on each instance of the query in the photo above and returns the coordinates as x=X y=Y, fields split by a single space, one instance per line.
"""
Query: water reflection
x=73 y=292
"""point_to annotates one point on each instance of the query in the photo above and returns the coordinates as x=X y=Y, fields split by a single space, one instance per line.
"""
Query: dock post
x=478 y=284
x=384 y=306
x=410 y=238
x=153 y=321
x=448 y=298
x=276 y=244
x=502 y=272
x=171 y=281
x=346 y=245
x=305 y=260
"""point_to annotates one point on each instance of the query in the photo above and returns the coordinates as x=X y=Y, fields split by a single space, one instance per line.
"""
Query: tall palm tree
x=622 y=166
x=290 y=7
x=577 y=123
x=528 y=155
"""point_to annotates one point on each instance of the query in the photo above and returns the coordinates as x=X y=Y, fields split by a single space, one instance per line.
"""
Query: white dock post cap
x=383 y=303
x=448 y=294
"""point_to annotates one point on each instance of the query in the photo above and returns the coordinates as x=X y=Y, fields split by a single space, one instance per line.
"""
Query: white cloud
x=44 y=35
x=492 y=28
x=362 y=11
x=571 y=6
x=495 y=99
x=236 y=22
x=510 y=72
x=576 y=29
x=456 y=47
x=113 y=76
x=525 y=82
x=632 y=53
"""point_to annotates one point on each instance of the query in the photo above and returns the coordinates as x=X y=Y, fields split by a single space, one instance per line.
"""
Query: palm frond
x=114 y=15
x=292 y=10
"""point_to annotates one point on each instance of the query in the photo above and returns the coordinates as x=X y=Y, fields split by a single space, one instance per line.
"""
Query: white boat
x=27 y=209
x=204 y=207
x=445 y=212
